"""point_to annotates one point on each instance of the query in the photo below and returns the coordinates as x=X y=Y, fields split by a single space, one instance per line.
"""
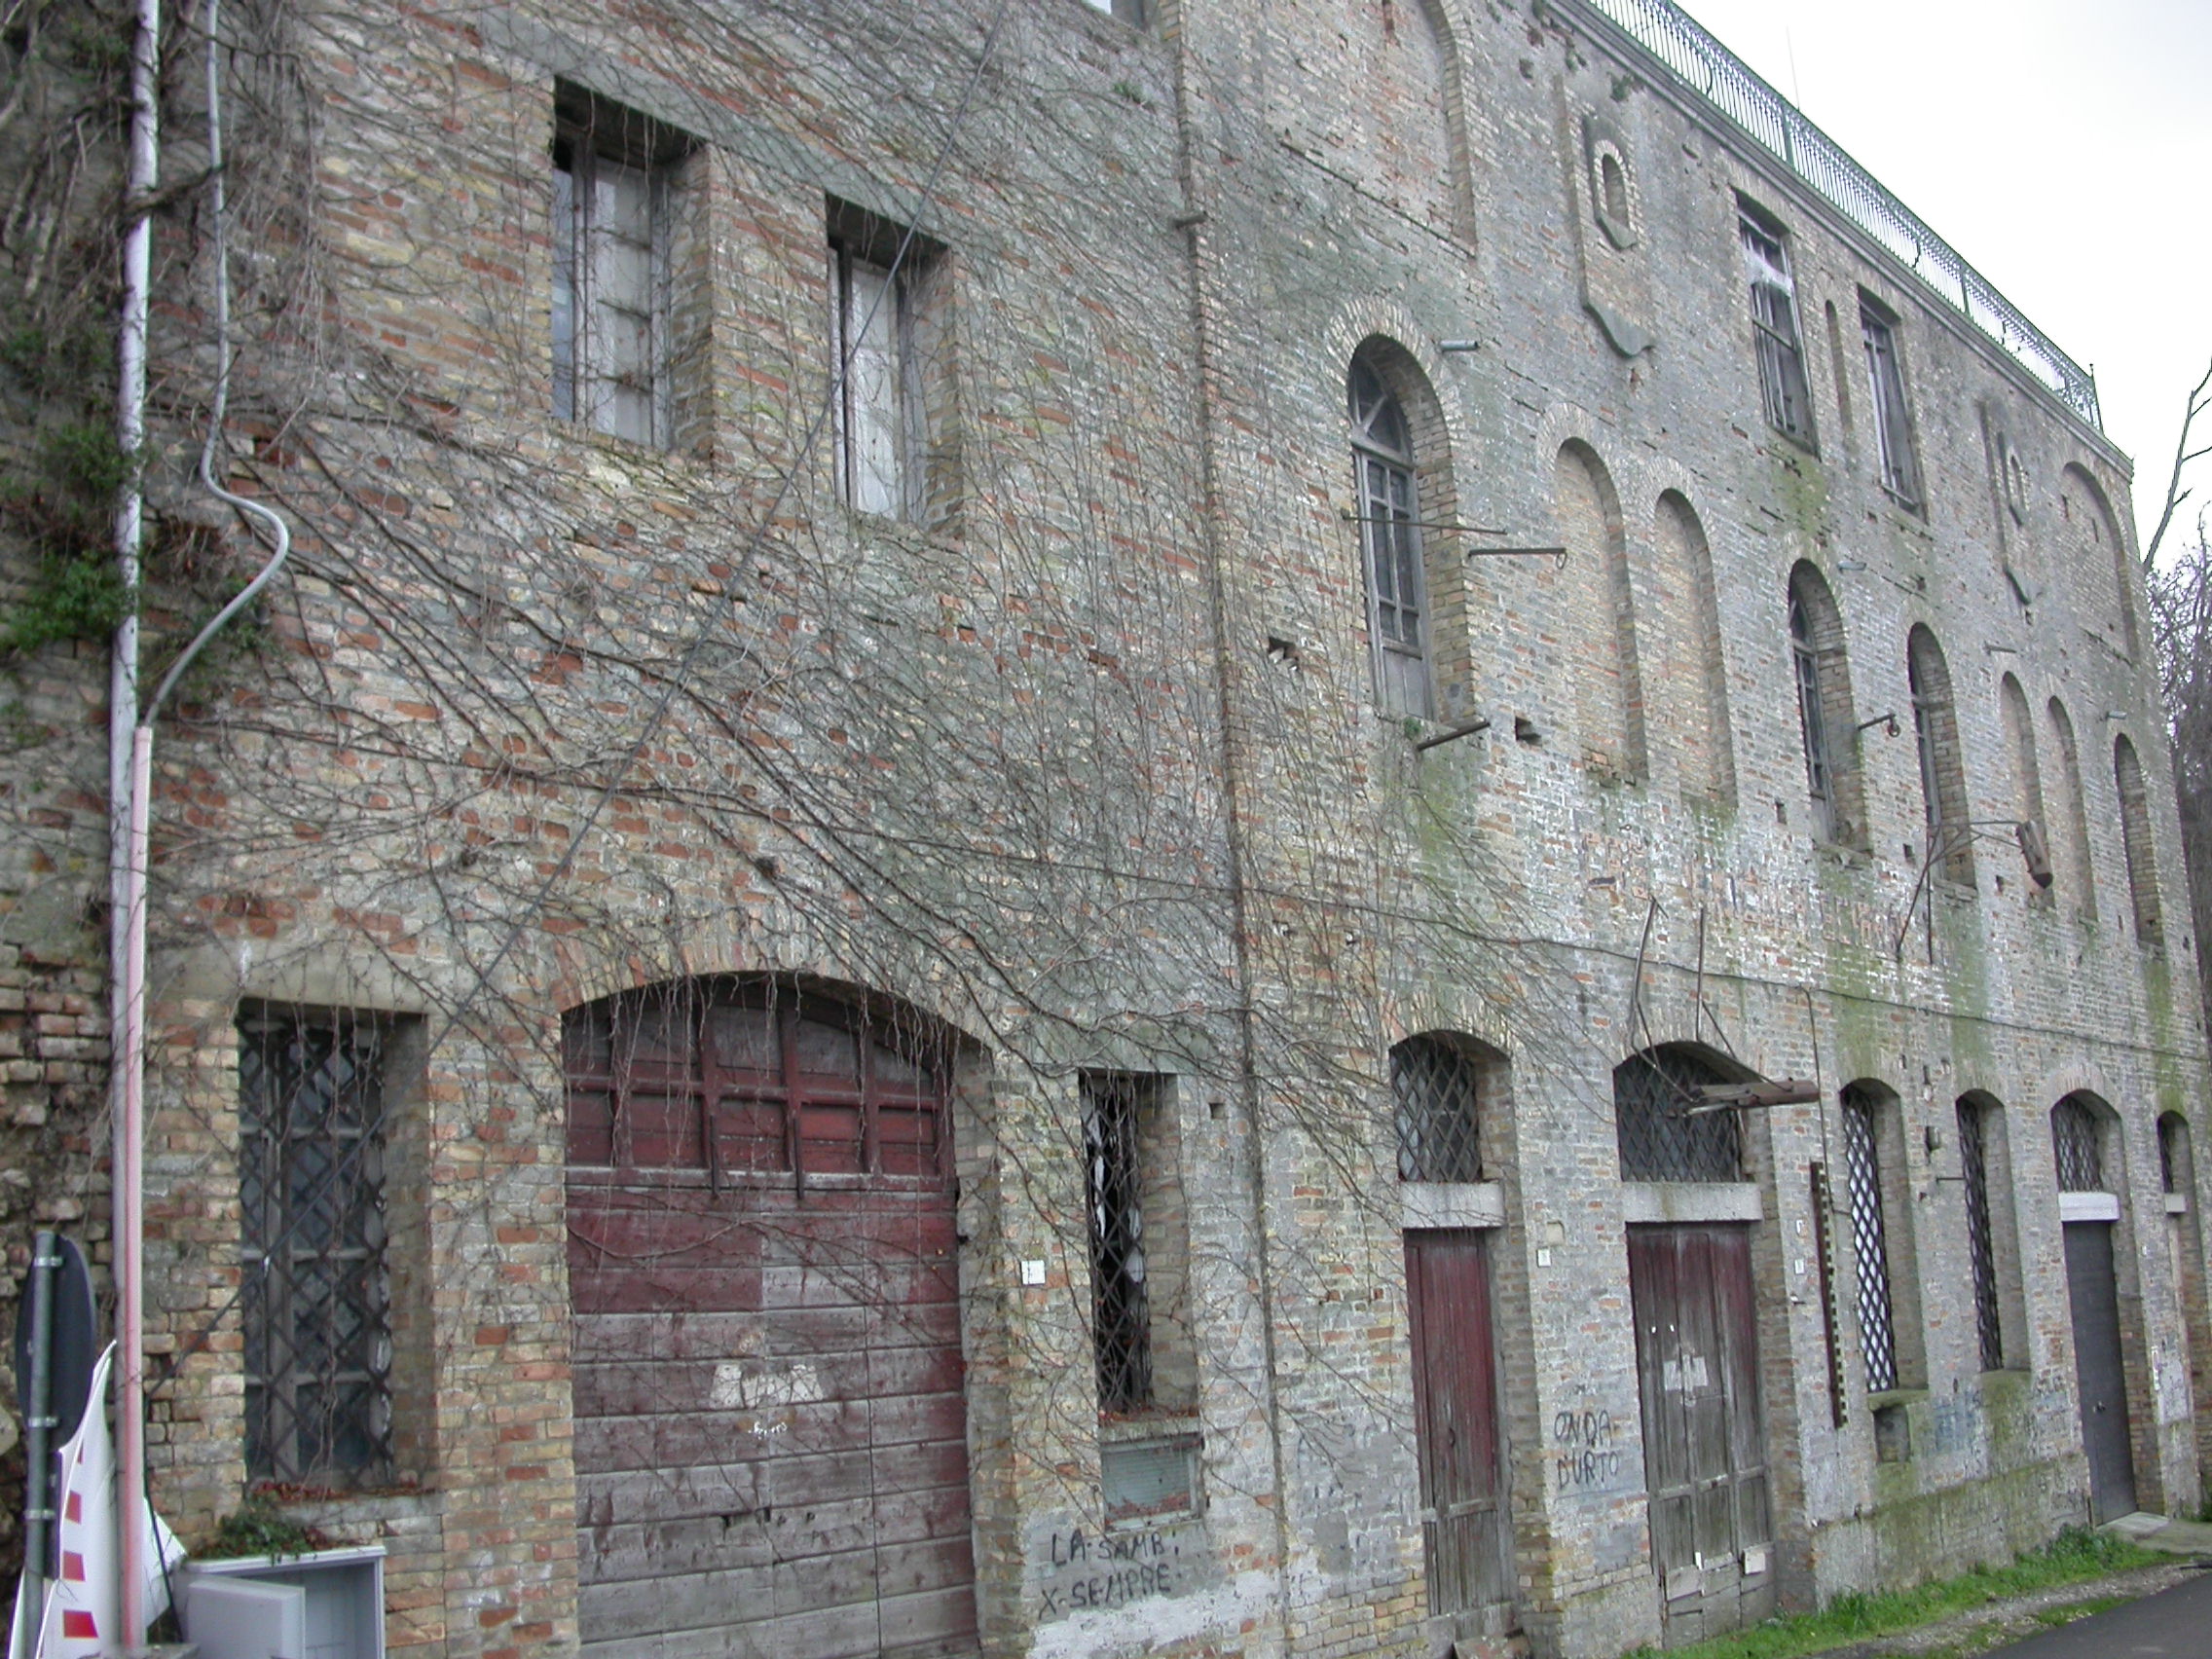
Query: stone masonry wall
x=1083 y=758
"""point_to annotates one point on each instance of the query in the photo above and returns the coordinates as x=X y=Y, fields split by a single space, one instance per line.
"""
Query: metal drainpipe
x=127 y=755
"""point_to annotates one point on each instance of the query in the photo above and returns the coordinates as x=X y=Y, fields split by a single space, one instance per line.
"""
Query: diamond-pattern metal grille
x=316 y=1303
x=2073 y=1141
x=2171 y=1135
x=1863 y=1182
x=1661 y=1140
x=1434 y=1090
x=1974 y=1160
x=1112 y=1183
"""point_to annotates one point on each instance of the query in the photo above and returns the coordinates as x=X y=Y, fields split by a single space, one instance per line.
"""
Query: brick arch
x=2138 y=844
x=1684 y=662
x=1378 y=97
x=1820 y=665
x=1942 y=759
x=2079 y=871
x=2091 y=529
x=763 y=1226
x=1597 y=614
x=723 y=947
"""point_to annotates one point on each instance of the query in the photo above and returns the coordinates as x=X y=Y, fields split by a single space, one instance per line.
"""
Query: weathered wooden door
x=1464 y=1528
x=2097 y=1370
x=1704 y=1437
x=771 y=1438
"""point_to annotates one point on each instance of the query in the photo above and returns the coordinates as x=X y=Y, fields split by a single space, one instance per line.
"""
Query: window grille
x=1812 y=724
x=1434 y=1090
x=1113 y=1187
x=1863 y=1179
x=1660 y=1138
x=1973 y=1160
x=1893 y=421
x=1774 y=318
x=2170 y=1134
x=1382 y=464
x=2075 y=1142
x=316 y=1307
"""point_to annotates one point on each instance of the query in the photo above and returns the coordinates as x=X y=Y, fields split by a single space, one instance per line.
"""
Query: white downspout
x=127 y=870
x=130 y=760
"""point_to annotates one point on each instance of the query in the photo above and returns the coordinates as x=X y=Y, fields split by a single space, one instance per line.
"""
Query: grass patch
x=2075 y=1555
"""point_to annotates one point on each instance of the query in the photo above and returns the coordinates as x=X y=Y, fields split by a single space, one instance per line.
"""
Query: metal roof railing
x=1708 y=68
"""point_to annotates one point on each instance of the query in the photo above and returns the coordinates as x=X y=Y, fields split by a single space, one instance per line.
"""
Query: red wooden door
x=771 y=1434
x=1704 y=1437
x=1456 y=1419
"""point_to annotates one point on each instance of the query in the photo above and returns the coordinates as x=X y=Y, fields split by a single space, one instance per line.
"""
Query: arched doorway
x=771 y=1429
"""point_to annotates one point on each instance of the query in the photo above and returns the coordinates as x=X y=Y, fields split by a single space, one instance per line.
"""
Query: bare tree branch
x=2199 y=400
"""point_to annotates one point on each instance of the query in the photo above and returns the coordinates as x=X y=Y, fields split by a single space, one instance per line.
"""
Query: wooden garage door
x=771 y=1435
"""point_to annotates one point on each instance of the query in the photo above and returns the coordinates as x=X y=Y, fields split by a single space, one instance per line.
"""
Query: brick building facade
x=1094 y=833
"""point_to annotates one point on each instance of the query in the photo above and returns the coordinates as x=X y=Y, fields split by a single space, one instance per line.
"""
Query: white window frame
x=878 y=403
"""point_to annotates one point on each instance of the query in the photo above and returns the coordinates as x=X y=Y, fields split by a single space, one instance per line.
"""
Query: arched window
x=730 y=1076
x=2077 y=1146
x=1881 y=1229
x=1691 y=679
x=2136 y=841
x=2027 y=778
x=2078 y=876
x=1993 y=1245
x=1665 y=1129
x=1601 y=621
x=1825 y=721
x=1436 y=1093
x=1942 y=774
x=2092 y=535
x=1390 y=543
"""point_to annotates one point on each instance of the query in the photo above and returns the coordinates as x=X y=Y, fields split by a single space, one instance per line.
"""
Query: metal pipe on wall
x=126 y=884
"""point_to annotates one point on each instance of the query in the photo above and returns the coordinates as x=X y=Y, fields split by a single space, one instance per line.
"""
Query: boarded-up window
x=1608 y=684
x=2077 y=874
x=1942 y=769
x=1689 y=682
x=2136 y=840
x=2027 y=782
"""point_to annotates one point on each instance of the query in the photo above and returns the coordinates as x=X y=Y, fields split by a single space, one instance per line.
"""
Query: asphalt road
x=2174 y=1624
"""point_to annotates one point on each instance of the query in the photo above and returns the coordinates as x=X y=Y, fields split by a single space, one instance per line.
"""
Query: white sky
x=2063 y=146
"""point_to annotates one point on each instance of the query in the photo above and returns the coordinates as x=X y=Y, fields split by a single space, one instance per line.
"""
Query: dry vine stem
x=540 y=718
